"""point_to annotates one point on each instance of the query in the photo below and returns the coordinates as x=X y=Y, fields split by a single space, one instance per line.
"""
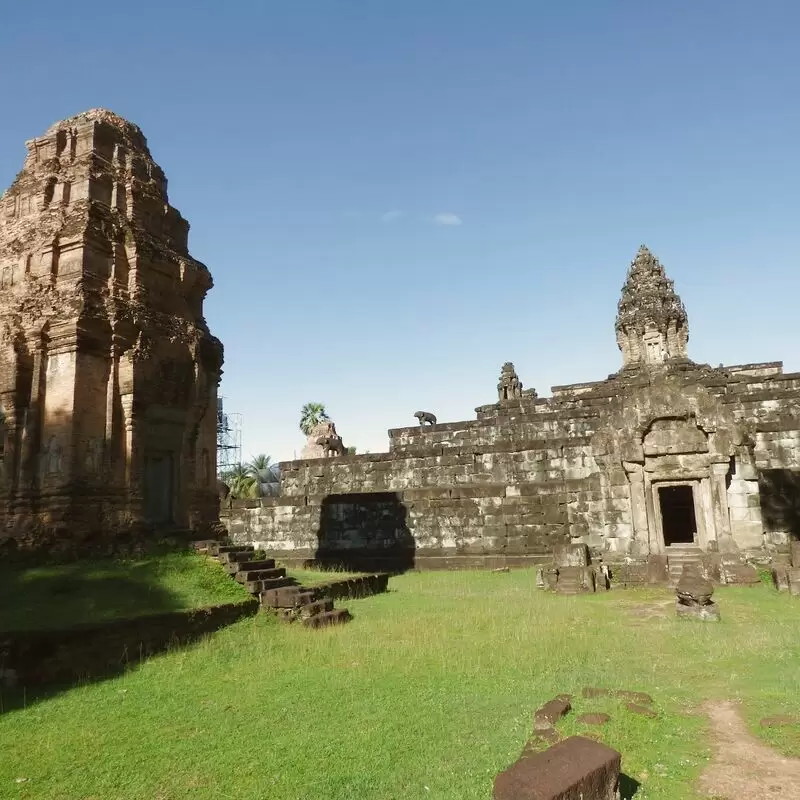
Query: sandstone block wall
x=531 y=473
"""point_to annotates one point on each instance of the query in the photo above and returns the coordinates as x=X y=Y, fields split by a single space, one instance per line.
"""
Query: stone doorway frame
x=701 y=494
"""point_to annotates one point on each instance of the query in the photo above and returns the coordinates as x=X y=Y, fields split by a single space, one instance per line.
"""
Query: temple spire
x=652 y=327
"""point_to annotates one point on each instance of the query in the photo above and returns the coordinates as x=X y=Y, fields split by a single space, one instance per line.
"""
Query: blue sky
x=319 y=150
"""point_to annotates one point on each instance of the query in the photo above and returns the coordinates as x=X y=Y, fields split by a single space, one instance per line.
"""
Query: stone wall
x=533 y=473
x=599 y=463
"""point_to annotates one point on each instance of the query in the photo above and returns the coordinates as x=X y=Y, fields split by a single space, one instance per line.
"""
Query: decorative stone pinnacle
x=652 y=327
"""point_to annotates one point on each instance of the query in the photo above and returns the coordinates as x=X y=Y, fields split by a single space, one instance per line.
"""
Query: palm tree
x=311 y=414
x=241 y=483
x=265 y=475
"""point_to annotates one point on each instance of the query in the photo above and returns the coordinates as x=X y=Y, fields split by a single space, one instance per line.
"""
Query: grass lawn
x=93 y=591
x=427 y=693
x=311 y=577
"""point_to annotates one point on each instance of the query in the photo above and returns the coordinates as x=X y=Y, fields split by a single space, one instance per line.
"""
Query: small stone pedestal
x=694 y=596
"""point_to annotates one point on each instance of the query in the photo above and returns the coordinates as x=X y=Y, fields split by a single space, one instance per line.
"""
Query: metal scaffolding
x=229 y=438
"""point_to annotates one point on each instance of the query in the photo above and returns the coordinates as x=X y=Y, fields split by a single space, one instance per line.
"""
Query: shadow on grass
x=66 y=625
x=628 y=786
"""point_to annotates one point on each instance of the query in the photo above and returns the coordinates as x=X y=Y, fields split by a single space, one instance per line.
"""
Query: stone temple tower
x=108 y=372
x=652 y=327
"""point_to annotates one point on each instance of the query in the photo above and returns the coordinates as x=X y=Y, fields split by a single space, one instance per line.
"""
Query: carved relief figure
x=53 y=457
x=93 y=456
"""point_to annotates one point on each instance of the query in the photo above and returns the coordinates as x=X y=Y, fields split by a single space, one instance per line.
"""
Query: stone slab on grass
x=577 y=768
x=551 y=712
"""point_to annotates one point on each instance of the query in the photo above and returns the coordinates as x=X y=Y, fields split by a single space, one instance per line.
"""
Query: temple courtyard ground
x=428 y=693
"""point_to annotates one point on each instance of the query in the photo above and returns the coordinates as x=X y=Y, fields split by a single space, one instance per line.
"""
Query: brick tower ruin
x=108 y=371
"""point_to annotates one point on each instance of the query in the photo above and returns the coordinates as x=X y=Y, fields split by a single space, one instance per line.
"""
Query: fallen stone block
x=577 y=768
x=550 y=713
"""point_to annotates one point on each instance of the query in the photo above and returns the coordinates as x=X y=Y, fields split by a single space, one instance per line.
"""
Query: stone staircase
x=681 y=555
x=279 y=594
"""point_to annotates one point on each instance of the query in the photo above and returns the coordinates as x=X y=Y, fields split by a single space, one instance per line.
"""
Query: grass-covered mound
x=60 y=596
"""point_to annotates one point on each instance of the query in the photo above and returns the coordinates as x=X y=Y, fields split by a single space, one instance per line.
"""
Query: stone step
x=259 y=586
x=320 y=606
x=286 y=596
x=236 y=556
x=336 y=617
x=245 y=576
x=204 y=545
x=233 y=548
x=249 y=566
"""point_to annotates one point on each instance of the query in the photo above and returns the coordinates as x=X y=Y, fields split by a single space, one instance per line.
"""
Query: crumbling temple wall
x=589 y=464
x=108 y=372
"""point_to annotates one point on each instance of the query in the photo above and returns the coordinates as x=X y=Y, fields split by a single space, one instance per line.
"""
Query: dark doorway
x=364 y=533
x=158 y=487
x=677 y=514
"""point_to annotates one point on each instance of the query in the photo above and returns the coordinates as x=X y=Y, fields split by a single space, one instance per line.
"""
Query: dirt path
x=743 y=766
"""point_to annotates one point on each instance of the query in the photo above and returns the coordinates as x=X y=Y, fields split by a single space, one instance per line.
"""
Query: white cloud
x=447 y=218
x=391 y=216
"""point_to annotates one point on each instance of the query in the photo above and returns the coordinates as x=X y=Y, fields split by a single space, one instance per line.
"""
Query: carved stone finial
x=510 y=386
x=652 y=326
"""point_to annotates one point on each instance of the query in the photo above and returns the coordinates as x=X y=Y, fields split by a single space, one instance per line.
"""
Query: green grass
x=310 y=577
x=427 y=693
x=60 y=596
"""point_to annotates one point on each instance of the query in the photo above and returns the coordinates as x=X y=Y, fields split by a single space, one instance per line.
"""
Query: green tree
x=265 y=475
x=240 y=481
x=351 y=451
x=311 y=414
